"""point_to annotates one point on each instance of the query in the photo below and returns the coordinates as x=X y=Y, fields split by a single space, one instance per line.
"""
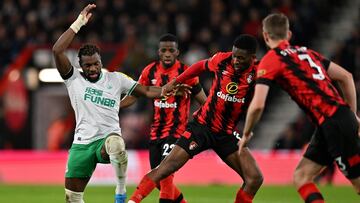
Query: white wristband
x=78 y=23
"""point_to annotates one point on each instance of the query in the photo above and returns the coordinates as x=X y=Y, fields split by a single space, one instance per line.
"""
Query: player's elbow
x=344 y=77
x=348 y=76
x=56 y=49
x=257 y=107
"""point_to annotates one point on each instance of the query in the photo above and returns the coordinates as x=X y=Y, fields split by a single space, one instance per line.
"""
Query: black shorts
x=198 y=138
x=159 y=149
x=337 y=140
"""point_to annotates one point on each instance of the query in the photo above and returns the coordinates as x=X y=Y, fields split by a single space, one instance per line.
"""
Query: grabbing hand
x=168 y=88
x=86 y=11
x=182 y=90
x=83 y=18
x=244 y=141
x=173 y=88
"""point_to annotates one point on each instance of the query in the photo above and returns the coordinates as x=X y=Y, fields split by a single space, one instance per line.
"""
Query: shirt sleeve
x=144 y=77
x=323 y=60
x=213 y=62
x=267 y=69
x=71 y=76
x=195 y=84
x=191 y=72
x=127 y=83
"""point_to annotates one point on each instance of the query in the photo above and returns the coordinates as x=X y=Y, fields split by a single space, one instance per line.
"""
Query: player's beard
x=168 y=65
x=93 y=79
x=242 y=67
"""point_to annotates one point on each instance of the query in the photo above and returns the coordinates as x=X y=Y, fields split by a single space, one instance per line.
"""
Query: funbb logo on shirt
x=165 y=104
x=96 y=97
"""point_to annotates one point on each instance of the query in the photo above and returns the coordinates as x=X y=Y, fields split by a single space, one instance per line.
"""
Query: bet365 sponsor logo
x=231 y=89
x=96 y=96
x=165 y=104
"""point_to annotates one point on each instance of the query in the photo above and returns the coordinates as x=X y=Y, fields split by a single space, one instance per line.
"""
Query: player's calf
x=73 y=197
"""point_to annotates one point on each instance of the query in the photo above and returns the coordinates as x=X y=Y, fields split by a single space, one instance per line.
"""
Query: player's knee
x=73 y=197
x=300 y=178
x=357 y=189
x=114 y=145
x=160 y=173
x=255 y=181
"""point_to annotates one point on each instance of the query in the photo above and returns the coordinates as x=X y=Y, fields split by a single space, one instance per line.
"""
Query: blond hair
x=276 y=25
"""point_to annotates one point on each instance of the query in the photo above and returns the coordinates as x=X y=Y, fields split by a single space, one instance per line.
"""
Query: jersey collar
x=283 y=44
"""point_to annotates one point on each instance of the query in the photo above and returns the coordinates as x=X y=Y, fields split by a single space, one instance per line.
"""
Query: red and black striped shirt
x=170 y=115
x=302 y=73
x=229 y=96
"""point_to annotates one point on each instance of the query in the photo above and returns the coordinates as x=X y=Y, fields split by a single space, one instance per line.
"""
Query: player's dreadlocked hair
x=87 y=50
x=168 y=38
x=246 y=42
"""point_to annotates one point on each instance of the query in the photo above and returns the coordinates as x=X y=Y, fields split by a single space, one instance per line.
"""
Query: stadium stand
x=203 y=27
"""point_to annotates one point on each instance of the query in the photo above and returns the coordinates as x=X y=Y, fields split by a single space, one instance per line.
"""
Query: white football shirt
x=97 y=104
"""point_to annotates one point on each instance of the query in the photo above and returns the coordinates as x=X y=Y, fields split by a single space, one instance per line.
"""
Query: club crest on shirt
x=153 y=81
x=250 y=78
x=260 y=73
x=193 y=145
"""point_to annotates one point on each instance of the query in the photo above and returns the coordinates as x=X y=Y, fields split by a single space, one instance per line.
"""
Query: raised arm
x=346 y=83
x=62 y=62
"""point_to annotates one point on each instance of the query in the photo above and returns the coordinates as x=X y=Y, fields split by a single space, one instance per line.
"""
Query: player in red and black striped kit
x=215 y=122
x=307 y=77
x=171 y=114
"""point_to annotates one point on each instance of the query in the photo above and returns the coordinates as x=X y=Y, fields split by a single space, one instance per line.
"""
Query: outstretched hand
x=244 y=141
x=86 y=11
x=168 y=88
x=173 y=88
x=182 y=90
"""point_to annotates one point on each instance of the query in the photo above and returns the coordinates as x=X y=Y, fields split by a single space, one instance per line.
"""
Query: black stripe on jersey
x=152 y=71
x=176 y=113
x=162 y=114
x=212 y=105
x=151 y=75
x=325 y=62
x=207 y=65
x=300 y=74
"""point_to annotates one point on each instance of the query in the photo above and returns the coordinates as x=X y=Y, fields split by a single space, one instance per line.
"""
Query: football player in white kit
x=95 y=98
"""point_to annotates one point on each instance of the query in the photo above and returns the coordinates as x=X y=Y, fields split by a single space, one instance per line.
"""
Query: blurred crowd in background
x=203 y=28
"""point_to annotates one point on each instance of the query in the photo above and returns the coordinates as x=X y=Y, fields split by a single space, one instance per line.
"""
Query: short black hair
x=88 y=50
x=246 y=42
x=168 y=38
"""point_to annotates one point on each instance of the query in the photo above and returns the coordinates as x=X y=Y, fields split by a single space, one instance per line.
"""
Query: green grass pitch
x=194 y=194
